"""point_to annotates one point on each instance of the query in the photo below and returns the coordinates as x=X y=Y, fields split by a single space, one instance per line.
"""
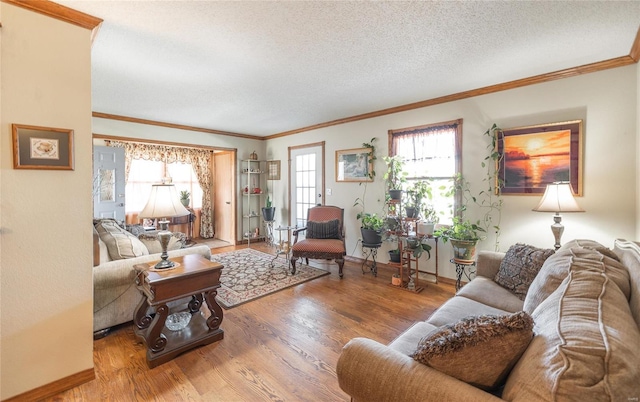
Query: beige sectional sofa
x=585 y=304
x=116 y=251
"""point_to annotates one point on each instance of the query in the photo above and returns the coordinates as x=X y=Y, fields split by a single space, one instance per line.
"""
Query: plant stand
x=370 y=250
x=460 y=270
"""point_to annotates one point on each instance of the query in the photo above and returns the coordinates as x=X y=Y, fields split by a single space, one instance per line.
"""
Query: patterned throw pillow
x=323 y=230
x=520 y=266
x=478 y=350
x=120 y=243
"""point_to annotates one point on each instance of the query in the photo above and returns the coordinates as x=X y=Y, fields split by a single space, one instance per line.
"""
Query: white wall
x=46 y=241
x=244 y=146
x=605 y=101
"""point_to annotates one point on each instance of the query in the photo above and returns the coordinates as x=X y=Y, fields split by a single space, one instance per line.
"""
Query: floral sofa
x=573 y=335
x=116 y=251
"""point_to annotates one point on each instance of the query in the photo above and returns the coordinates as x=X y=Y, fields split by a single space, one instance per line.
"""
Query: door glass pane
x=107 y=185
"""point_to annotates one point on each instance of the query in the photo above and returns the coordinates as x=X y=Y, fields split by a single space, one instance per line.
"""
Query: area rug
x=248 y=275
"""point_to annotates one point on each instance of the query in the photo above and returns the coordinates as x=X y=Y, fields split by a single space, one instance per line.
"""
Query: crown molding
x=176 y=126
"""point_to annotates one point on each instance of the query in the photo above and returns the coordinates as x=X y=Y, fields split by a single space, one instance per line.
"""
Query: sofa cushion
x=120 y=243
x=152 y=243
x=486 y=291
x=459 y=307
x=586 y=343
x=323 y=229
x=520 y=266
x=558 y=266
x=408 y=341
x=478 y=350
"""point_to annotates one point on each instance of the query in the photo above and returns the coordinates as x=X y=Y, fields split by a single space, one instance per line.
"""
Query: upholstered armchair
x=324 y=237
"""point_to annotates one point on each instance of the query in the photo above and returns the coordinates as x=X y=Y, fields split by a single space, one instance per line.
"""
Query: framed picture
x=42 y=147
x=354 y=165
x=535 y=156
x=273 y=170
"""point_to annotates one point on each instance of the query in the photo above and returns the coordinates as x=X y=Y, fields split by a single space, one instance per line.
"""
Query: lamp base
x=164 y=236
x=557 y=228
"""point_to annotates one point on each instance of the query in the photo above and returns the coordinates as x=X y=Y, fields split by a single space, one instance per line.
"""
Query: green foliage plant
x=395 y=176
x=487 y=201
x=184 y=195
x=268 y=202
x=372 y=222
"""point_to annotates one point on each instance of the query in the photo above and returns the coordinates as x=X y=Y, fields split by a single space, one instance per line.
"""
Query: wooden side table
x=194 y=276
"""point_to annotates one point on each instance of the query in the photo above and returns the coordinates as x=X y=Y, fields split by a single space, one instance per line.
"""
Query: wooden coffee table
x=195 y=277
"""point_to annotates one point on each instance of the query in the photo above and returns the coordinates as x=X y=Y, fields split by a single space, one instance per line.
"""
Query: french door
x=306 y=180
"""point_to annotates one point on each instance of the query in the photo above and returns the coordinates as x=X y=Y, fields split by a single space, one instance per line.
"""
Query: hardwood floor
x=282 y=347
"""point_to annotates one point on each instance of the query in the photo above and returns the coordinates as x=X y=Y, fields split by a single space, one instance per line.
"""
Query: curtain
x=199 y=159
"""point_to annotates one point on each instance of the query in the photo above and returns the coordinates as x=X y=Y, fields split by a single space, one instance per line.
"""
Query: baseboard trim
x=54 y=388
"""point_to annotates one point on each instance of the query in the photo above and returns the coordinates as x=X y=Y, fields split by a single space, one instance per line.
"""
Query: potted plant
x=395 y=176
x=371 y=228
x=464 y=236
x=429 y=220
x=394 y=255
x=417 y=246
x=184 y=197
x=268 y=211
x=415 y=196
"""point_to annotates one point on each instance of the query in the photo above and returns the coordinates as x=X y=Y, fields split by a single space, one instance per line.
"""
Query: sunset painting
x=534 y=158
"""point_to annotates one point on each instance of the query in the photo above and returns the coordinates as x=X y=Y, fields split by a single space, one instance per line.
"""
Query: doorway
x=224 y=201
x=306 y=180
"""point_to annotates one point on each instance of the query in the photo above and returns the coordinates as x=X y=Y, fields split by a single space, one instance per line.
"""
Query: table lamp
x=557 y=198
x=163 y=203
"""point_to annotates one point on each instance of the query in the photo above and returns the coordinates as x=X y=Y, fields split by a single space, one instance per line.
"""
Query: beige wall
x=606 y=101
x=46 y=260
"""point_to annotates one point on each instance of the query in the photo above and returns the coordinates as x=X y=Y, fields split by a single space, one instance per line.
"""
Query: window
x=144 y=173
x=431 y=153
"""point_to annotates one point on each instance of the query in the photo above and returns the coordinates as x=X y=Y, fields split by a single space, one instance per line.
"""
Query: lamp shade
x=558 y=197
x=163 y=203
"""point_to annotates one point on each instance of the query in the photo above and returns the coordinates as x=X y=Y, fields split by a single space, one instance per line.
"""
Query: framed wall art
x=353 y=165
x=42 y=147
x=273 y=170
x=535 y=156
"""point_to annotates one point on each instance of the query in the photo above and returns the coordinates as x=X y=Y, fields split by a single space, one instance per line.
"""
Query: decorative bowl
x=178 y=321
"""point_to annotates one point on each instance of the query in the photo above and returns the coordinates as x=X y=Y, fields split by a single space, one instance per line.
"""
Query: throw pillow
x=120 y=243
x=323 y=229
x=478 y=350
x=519 y=268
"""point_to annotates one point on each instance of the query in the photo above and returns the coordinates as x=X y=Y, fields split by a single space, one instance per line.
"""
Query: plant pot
x=426 y=228
x=395 y=194
x=411 y=212
x=396 y=281
x=184 y=201
x=392 y=223
x=268 y=213
x=464 y=251
x=370 y=236
x=394 y=256
x=412 y=242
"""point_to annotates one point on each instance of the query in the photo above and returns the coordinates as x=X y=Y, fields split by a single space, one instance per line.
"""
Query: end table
x=194 y=276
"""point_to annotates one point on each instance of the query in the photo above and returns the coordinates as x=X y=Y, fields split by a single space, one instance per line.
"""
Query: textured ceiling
x=263 y=68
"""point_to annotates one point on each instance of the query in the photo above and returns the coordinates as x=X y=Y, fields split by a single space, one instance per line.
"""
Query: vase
x=464 y=251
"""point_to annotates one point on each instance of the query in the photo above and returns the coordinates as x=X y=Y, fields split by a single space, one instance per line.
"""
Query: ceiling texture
x=267 y=68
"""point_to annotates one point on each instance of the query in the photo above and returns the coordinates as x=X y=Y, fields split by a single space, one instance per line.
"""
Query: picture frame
x=273 y=170
x=46 y=148
x=534 y=156
x=353 y=165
